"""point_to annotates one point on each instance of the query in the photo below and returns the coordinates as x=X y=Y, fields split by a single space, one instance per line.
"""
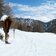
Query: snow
x=4 y=17
x=29 y=44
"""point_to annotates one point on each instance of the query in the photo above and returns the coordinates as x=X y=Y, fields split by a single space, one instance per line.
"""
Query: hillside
x=30 y=25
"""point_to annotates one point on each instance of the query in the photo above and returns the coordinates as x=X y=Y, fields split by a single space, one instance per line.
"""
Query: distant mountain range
x=32 y=25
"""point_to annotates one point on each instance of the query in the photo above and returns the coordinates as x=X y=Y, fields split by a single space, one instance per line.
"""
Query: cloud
x=44 y=12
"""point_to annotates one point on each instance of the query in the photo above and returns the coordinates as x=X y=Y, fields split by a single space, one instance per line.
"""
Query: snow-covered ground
x=29 y=44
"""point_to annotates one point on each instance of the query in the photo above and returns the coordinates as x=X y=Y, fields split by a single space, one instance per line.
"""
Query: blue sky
x=44 y=10
x=28 y=2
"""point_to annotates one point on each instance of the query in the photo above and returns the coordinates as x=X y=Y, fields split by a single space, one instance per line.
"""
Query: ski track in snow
x=29 y=44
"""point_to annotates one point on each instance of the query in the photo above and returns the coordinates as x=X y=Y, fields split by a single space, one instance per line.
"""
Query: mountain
x=31 y=25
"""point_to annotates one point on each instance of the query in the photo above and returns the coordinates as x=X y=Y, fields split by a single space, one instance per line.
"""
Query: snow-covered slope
x=29 y=44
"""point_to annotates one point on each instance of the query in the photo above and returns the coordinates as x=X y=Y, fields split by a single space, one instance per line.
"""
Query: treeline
x=34 y=25
x=31 y=25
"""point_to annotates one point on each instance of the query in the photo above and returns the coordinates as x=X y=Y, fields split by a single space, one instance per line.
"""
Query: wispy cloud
x=45 y=12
